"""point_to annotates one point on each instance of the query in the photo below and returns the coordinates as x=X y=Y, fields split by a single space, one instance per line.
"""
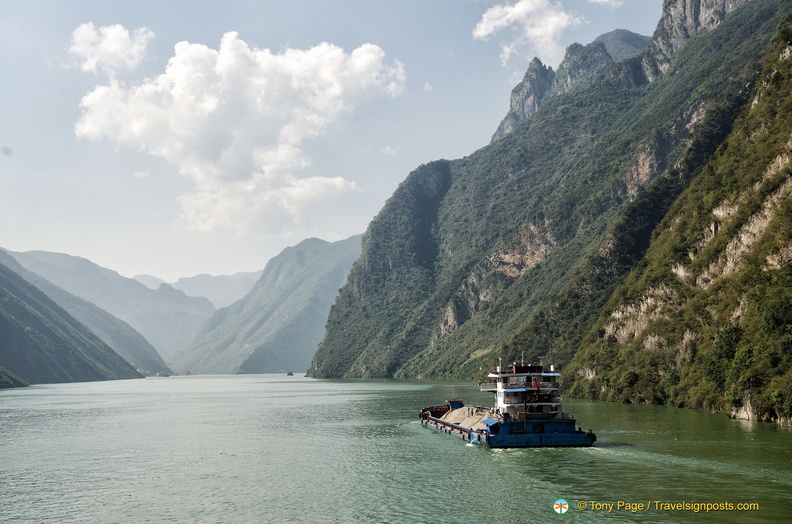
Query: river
x=272 y=448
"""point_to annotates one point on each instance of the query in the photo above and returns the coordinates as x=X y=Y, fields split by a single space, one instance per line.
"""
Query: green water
x=271 y=448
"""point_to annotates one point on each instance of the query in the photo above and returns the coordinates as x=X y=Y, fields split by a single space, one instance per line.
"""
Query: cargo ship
x=527 y=413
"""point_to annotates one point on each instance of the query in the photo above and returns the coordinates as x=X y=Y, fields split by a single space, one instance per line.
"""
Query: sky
x=177 y=138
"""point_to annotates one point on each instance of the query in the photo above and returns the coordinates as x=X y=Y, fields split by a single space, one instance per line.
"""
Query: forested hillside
x=9 y=380
x=705 y=319
x=166 y=317
x=514 y=250
x=114 y=332
x=42 y=343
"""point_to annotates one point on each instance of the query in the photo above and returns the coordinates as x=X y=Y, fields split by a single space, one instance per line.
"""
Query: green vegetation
x=527 y=247
x=167 y=318
x=622 y=44
x=41 y=343
x=9 y=380
x=714 y=330
x=116 y=333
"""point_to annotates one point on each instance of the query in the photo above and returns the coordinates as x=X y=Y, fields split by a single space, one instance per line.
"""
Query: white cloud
x=109 y=48
x=534 y=26
x=610 y=3
x=388 y=150
x=233 y=120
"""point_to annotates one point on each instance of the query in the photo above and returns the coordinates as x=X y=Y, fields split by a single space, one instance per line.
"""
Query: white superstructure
x=525 y=392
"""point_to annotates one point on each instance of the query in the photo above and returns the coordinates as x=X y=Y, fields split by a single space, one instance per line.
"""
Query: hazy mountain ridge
x=514 y=248
x=116 y=333
x=42 y=343
x=166 y=317
x=704 y=320
x=221 y=290
x=279 y=324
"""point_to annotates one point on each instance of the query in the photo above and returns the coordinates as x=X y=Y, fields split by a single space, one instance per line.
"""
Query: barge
x=527 y=413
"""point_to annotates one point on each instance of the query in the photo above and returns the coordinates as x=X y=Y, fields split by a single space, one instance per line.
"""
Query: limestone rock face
x=516 y=249
x=682 y=20
x=527 y=96
x=581 y=66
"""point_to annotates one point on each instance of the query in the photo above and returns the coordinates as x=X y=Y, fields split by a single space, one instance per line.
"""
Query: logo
x=560 y=506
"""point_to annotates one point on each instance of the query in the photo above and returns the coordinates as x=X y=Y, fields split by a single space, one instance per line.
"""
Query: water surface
x=272 y=448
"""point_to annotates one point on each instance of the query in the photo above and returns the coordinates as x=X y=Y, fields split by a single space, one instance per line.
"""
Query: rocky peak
x=581 y=66
x=623 y=44
x=527 y=96
x=682 y=20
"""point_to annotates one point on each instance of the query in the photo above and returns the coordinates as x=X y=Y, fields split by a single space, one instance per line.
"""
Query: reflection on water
x=291 y=449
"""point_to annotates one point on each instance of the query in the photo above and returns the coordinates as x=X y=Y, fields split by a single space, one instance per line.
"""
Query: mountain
x=514 y=250
x=114 y=332
x=581 y=66
x=279 y=324
x=622 y=44
x=705 y=319
x=9 y=380
x=221 y=290
x=167 y=318
x=150 y=281
x=42 y=343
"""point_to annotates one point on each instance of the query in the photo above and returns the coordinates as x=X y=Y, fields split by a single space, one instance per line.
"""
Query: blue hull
x=554 y=433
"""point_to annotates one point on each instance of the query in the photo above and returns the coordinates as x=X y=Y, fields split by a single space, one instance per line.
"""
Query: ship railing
x=534 y=399
x=526 y=385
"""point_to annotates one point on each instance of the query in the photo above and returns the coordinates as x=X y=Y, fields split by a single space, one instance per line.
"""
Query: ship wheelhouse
x=525 y=392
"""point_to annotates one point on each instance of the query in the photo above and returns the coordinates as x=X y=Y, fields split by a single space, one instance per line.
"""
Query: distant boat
x=289 y=374
x=161 y=374
x=527 y=413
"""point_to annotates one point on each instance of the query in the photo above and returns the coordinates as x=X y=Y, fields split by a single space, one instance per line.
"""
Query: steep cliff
x=682 y=20
x=114 y=332
x=526 y=97
x=581 y=66
x=42 y=343
x=168 y=318
x=705 y=320
x=514 y=249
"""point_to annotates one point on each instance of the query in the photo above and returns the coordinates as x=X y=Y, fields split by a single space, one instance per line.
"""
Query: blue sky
x=178 y=138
